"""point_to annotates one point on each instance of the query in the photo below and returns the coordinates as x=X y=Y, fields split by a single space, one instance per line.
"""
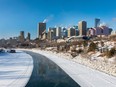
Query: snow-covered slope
x=84 y=76
x=15 y=69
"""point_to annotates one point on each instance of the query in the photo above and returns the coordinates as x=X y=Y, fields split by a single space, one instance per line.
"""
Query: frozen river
x=48 y=74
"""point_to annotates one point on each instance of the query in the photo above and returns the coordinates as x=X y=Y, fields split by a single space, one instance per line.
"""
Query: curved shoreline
x=84 y=76
x=31 y=69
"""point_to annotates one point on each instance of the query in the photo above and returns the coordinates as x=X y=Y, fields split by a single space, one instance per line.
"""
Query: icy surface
x=84 y=76
x=15 y=69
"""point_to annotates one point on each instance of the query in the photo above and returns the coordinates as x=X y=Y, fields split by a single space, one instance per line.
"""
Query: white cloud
x=50 y=17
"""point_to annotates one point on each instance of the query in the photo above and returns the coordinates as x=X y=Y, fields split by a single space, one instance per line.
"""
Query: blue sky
x=17 y=15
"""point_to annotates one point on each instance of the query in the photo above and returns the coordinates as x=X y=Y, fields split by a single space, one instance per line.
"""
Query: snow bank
x=84 y=76
x=15 y=69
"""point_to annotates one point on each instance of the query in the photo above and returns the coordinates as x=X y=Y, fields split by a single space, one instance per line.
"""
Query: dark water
x=47 y=74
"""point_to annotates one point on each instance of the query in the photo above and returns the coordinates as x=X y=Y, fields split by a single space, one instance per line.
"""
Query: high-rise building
x=58 y=32
x=50 y=35
x=54 y=31
x=22 y=38
x=64 y=32
x=42 y=28
x=97 y=22
x=44 y=36
x=71 y=32
x=76 y=32
x=28 y=36
x=82 y=26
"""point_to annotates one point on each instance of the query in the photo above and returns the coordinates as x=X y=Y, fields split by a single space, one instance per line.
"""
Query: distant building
x=44 y=35
x=54 y=32
x=76 y=32
x=22 y=37
x=103 y=30
x=75 y=27
x=49 y=29
x=41 y=29
x=58 y=32
x=50 y=35
x=28 y=36
x=64 y=32
x=82 y=26
x=99 y=31
x=91 y=32
x=113 y=32
x=97 y=22
x=110 y=30
x=11 y=42
x=71 y=32
x=2 y=42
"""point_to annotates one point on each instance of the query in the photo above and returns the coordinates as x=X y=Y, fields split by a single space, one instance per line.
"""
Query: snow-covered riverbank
x=83 y=75
x=15 y=69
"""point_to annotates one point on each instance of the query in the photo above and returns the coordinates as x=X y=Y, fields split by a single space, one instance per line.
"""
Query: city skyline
x=24 y=15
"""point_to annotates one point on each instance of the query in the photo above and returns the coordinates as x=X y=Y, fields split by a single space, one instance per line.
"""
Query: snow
x=15 y=69
x=83 y=75
x=112 y=60
x=96 y=56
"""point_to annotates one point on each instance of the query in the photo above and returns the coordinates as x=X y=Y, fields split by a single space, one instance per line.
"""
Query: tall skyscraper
x=50 y=35
x=82 y=26
x=64 y=32
x=71 y=32
x=42 y=28
x=54 y=31
x=22 y=38
x=58 y=32
x=97 y=22
x=28 y=36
